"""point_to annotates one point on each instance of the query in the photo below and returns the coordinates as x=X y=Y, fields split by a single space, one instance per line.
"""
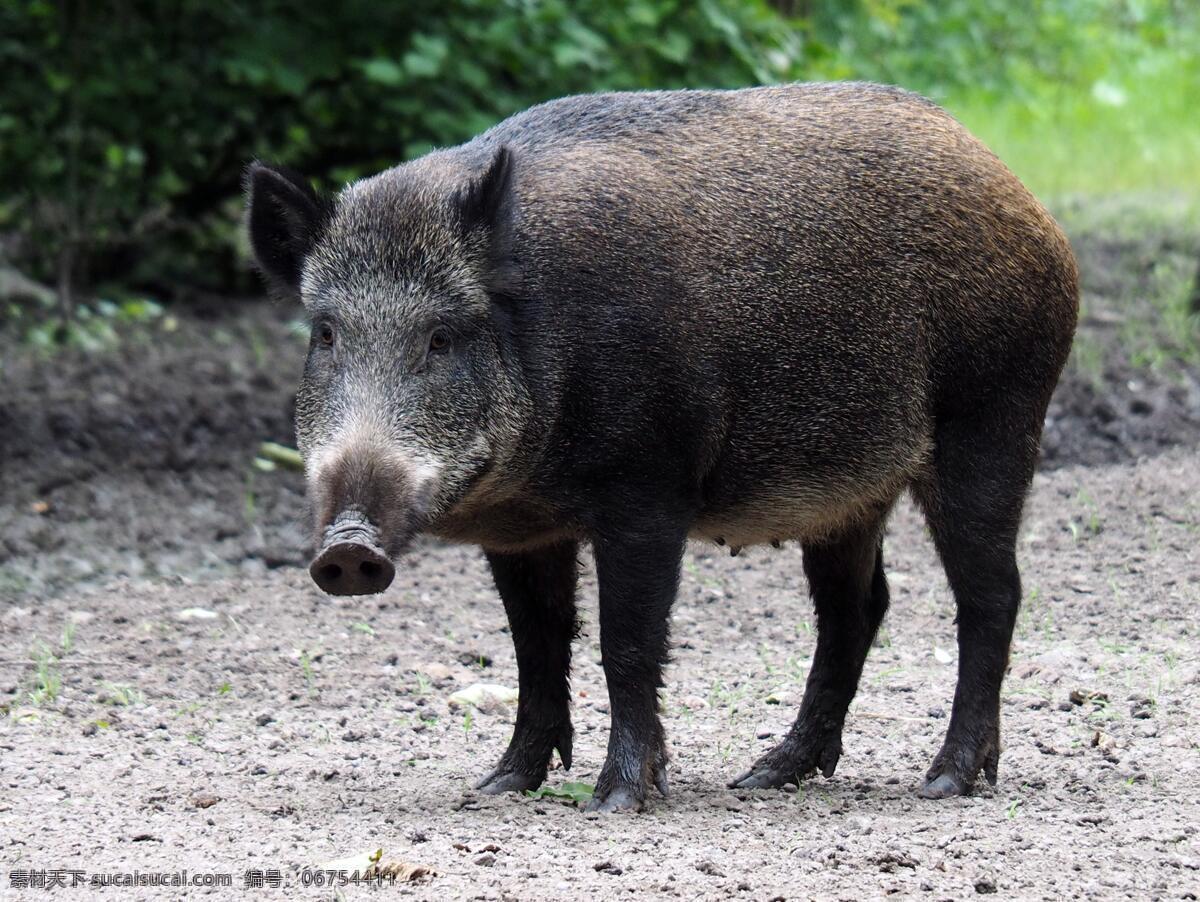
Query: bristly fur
x=748 y=316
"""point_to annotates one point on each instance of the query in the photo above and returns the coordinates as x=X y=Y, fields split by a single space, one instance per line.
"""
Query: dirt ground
x=322 y=727
x=179 y=695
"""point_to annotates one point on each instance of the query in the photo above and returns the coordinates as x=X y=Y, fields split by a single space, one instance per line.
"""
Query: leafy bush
x=124 y=127
x=125 y=124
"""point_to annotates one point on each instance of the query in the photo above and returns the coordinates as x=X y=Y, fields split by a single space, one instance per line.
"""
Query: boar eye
x=325 y=334
x=439 y=341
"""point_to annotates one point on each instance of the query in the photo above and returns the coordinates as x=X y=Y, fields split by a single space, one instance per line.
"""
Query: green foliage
x=1075 y=95
x=124 y=127
x=571 y=793
x=1106 y=105
x=1008 y=50
x=93 y=325
x=47 y=677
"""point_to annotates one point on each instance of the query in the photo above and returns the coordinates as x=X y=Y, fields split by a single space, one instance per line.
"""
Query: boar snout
x=351 y=561
x=369 y=502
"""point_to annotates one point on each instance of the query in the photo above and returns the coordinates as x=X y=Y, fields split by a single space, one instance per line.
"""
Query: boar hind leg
x=850 y=595
x=638 y=579
x=972 y=498
x=538 y=590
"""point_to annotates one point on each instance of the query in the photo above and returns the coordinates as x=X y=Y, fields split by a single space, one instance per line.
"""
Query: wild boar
x=629 y=319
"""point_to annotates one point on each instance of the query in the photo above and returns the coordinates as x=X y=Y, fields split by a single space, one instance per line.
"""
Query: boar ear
x=479 y=202
x=286 y=217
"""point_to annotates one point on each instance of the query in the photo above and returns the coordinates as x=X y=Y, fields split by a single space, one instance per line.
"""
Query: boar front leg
x=538 y=590
x=638 y=578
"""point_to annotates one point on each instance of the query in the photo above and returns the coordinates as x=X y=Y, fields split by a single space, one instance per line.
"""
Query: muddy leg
x=972 y=501
x=850 y=595
x=638 y=580
x=538 y=590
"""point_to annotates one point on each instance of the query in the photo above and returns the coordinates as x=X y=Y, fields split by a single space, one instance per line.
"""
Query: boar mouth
x=352 y=560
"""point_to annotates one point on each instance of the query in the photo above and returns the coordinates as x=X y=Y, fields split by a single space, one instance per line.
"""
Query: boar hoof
x=660 y=777
x=943 y=786
x=767 y=778
x=782 y=765
x=619 y=798
x=499 y=781
x=956 y=766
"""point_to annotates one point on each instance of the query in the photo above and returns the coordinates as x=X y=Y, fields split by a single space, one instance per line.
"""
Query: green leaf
x=427 y=56
x=291 y=80
x=572 y=793
x=674 y=46
x=384 y=71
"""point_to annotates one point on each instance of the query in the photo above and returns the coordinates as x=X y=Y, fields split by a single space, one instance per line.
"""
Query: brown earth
x=128 y=497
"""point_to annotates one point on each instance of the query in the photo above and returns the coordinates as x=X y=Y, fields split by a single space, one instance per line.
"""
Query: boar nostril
x=352 y=568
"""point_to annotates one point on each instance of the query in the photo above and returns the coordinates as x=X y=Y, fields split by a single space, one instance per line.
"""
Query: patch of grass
x=764 y=658
x=1135 y=130
x=120 y=694
x=1087 y=358
x=1170 y=216
x=1102 y=711
x=96 y=326
x=47 y=678
x=1171 y=294
x=1089 y=522
x=730 y=699
x=1138 y=258
x=306 y=668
